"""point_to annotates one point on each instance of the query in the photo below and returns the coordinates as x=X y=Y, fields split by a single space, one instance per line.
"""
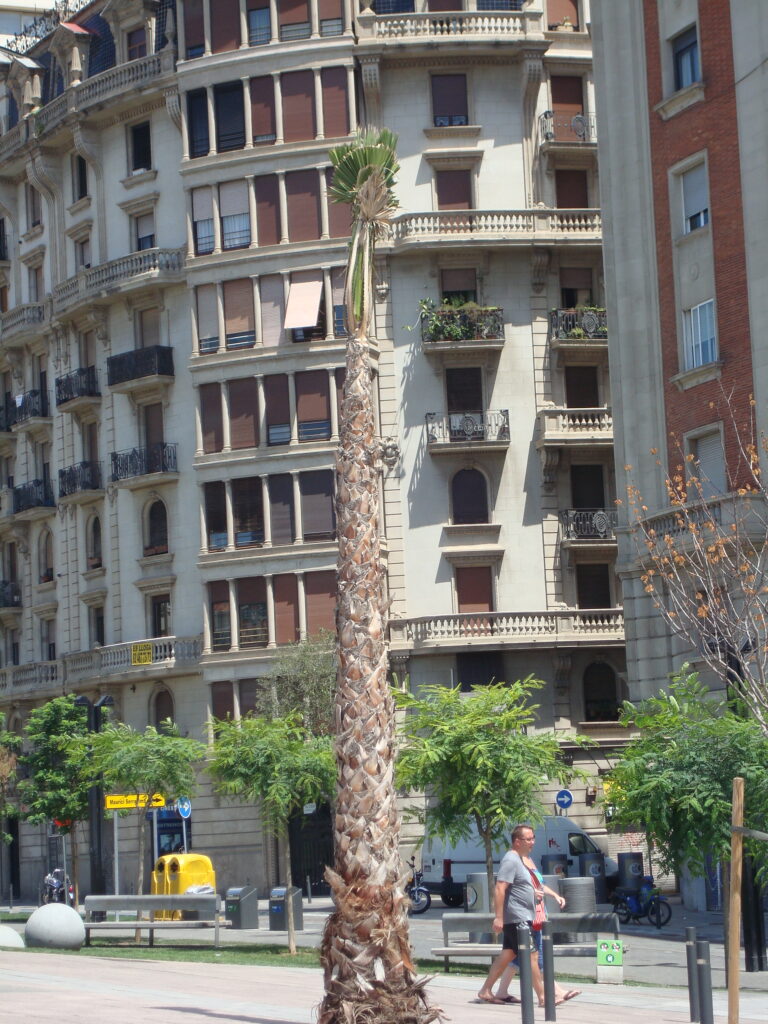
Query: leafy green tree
x=676 y=777
x=56 y=784
x=10 y=746
x=153 y=761
x=303 y=679
x=475 y=758
x=278 y=764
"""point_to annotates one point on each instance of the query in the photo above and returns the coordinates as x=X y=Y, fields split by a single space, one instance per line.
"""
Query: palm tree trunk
x=369 y=975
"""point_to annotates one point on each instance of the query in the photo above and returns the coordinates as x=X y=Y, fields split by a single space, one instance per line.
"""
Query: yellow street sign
x=127 y=801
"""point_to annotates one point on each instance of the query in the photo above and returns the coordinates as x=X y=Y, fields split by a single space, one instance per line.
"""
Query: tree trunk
x=288 y=901
x=75 y=861
x=369 y=975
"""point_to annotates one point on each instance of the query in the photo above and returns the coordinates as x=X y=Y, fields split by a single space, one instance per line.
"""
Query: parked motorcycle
x=57 y=889
x=420 y=897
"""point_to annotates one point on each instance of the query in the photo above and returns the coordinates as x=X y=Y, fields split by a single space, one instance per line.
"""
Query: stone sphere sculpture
x=10 y=938
x=55 y=926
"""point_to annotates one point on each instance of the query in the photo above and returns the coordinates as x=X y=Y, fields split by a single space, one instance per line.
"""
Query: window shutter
x=149 y=327
x=303 y=191
x=244 y=413
x=449 y=97
x=312 y=396
x=293 y=12
x=225 y=26
x=317 y=513
x=320 y=593
x=571 y=190
x=281 y=508
x=210 y=414
x=474 y=588
x=298 y=88
x=578 y=278
x=558 y=10
x=334 y=81
x=286 y=593
x=710 y=470
x=339 y=214
x=278 y=409
x=153 y=424
x=454 y=190
x=229 y=111
x=145 y=227
x=263 y=123
x=238 y=311
x=695 y=191
x=329 y=10
x=271 y=293
x=197 y=121
x=445 y=5
x=207 y=317
x=459 y=280
x=215 y=515
x=567 y=95
x=268 y=209
x=248 y=512
x=194 y=30
x=202 y=204
x=233 y=198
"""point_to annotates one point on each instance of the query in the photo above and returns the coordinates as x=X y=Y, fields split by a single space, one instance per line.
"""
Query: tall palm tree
x=369 y=976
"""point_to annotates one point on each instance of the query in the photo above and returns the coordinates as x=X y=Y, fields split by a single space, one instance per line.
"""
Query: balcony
x=32 y=412
x=579 y=333
x=591 y=527
x=21 y=323
x=137 y=270
x=571 y=628
x=462 y=328
x=397 y=22
x=78 y=482
x=34 y=500
x=575 y=427
x=467 y=431
x=134 y=463
x=140 y=367
x=491 y=228
x=557 y=129
x=78 y=390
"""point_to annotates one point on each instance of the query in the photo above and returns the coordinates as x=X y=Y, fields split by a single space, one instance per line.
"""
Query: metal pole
x=10 y=897
x=116 y=859
x=693 y=978
x=734 y=909
x=155 y=850
x=184 y=833
x=548 y=952
x=704 y=973
x=526 y=975
x=309 y=890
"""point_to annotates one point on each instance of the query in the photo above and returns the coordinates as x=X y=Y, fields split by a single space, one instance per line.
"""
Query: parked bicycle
x=647 y=901
x=420 y=896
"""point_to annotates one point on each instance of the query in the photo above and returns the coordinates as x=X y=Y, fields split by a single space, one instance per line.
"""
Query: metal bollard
x=524 y=948
x=548 y=952
x=693 y=978
x=10 y=898
x=309 y=890
x=704 y=973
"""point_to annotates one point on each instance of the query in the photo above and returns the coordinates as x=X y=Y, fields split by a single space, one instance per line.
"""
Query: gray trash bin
x=278 y=909
x=241 y=906
x=476 y=902
x=630 y=870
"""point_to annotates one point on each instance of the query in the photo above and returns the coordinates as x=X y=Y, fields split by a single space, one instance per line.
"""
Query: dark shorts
x=510 y=936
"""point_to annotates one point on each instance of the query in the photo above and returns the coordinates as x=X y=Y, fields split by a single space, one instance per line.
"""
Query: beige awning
x=303 y=300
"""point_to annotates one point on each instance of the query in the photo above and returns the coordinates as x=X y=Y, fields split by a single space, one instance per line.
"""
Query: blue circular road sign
x=564 y=799
x=184 y=806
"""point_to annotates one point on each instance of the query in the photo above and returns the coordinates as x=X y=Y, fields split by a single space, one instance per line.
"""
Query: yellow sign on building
x=141 y=654
x=128 y=801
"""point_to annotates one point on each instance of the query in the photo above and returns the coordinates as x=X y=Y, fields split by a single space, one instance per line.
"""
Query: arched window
x=601 y=699
x=469 y=497
x=94 y=543
x=157 y=529
x=45 y=556
x=162 y=708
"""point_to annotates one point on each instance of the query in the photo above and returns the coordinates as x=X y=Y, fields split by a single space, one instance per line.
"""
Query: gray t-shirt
x=520 y=903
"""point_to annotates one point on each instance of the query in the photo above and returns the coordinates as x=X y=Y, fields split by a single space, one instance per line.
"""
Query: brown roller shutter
x=281 y=508
x=454 y=190
x=194 y=29
x=244 y=413
x=581 y=387
x=222 y=700
x=286 y=595
x=210 y=415
x=329 y=9
x=459 y=280
x=303 y=192
x=320 y=593
x=449 y=99
x=558 y=10
x=445 y=5
x=207 y=317
x=225 y=25
x=313 y=410
x=298 y=89
x=474 y=588
x=271 y=295
x=238 y=312
x=339 y=214
x=278 y=409
x=252 y=612
x=317 y=516
x=248 y=512
x=153 y=424
x=293 y=12
x=567 y=103
x=263 y=123
x=571 y=190
x=215 y=515
x=334 y=81
x=267 y=209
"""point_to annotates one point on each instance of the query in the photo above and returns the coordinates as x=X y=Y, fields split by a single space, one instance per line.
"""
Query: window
x=83 y=252
x=313 y=408
x=685 y=58
x=194 y=28
x=34 y=207
x=93 y=543
x=221 y=630
x=581 y=387
x=278 y=411
x=222 y=700
x=45 y=557
x=144 y=228
x=567 y=103
x=235 y=218
x=303 y=311
x=267 y=209
x=136 y=43
x=454 y=190
x=479 y=668
x=331 y=18
x=96 y=626
x=293 y=18
x=320 y=594
x=286 y=605
x=3 y=243
x=593 y=585
x=587 y=487
x=160 y=615
x=252 y=612
x=339 y=214
x=335 y=110
x=35 y=281
x=230 y=116
x=211 y=418
x=263 y=119
x=207 y=318
x=449 y=100
x=162 y=707
x=79 y=178
x=281 y=508
x=458 y=286
x=239 y=322
x=141 y=147
x=157 y=530
x=298 y=89
x=202 y=221
x=248 y=512
x=695 y=198
x=317 y=513
x=225 y=26
x=474 y=597
x=575 y=287
x=699 y=333
x=303 y=200
x=464 y=389
x=148 y=327
x=708 y=466
x=215 y=515
x=469 y=497
x=197 y=123
x=259 y=28
x=601 y=703
x=272 y=309
x=557 y=12
x=243 y=413
x=571 y=190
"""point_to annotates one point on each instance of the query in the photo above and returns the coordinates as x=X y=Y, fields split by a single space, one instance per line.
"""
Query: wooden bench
x=464 y=923
x=207 y=906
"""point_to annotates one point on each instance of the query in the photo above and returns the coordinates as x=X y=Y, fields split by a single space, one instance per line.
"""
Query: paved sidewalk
x=52 y=988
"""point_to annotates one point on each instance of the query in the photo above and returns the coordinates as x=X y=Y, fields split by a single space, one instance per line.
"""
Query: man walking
x=515 y=903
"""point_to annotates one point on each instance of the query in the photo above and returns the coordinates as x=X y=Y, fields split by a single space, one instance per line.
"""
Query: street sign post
x=184 y=807
x=564 y=799
x=129 y=801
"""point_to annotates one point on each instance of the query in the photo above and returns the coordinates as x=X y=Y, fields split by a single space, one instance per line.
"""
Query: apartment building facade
x=172 y=351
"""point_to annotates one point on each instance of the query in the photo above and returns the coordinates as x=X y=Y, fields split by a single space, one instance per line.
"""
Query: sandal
x=490 y=999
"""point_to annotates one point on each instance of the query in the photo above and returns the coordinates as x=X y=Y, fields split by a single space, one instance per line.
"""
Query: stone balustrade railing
x=484 y=25
x=503 y=225
x=116 y=273
x=523 y=628
x=576 y=421
x=21 y=317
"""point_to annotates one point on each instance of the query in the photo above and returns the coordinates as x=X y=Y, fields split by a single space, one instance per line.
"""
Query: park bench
x=207 y=908
x=455 y=923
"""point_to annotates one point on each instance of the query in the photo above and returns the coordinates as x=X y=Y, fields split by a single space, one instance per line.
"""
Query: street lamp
x=95 y=812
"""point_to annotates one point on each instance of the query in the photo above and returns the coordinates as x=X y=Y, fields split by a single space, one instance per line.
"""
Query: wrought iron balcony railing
x=557 y=127
x=10 y=594
x=589 y=523
x=30 y=405
x=464 y=323
x=157 y=360
x=81 y=383
x=463 y=427
x=83 y=476
x=584 y=322
x=155 y=458
x=35 y=494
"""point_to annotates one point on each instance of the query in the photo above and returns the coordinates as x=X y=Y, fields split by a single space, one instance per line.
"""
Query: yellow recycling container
x=174 y=874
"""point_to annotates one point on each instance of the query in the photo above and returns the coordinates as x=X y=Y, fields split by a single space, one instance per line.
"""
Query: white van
x=446 y=867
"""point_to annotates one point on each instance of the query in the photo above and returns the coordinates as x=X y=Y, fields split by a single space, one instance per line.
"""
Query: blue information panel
x=564 y=799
